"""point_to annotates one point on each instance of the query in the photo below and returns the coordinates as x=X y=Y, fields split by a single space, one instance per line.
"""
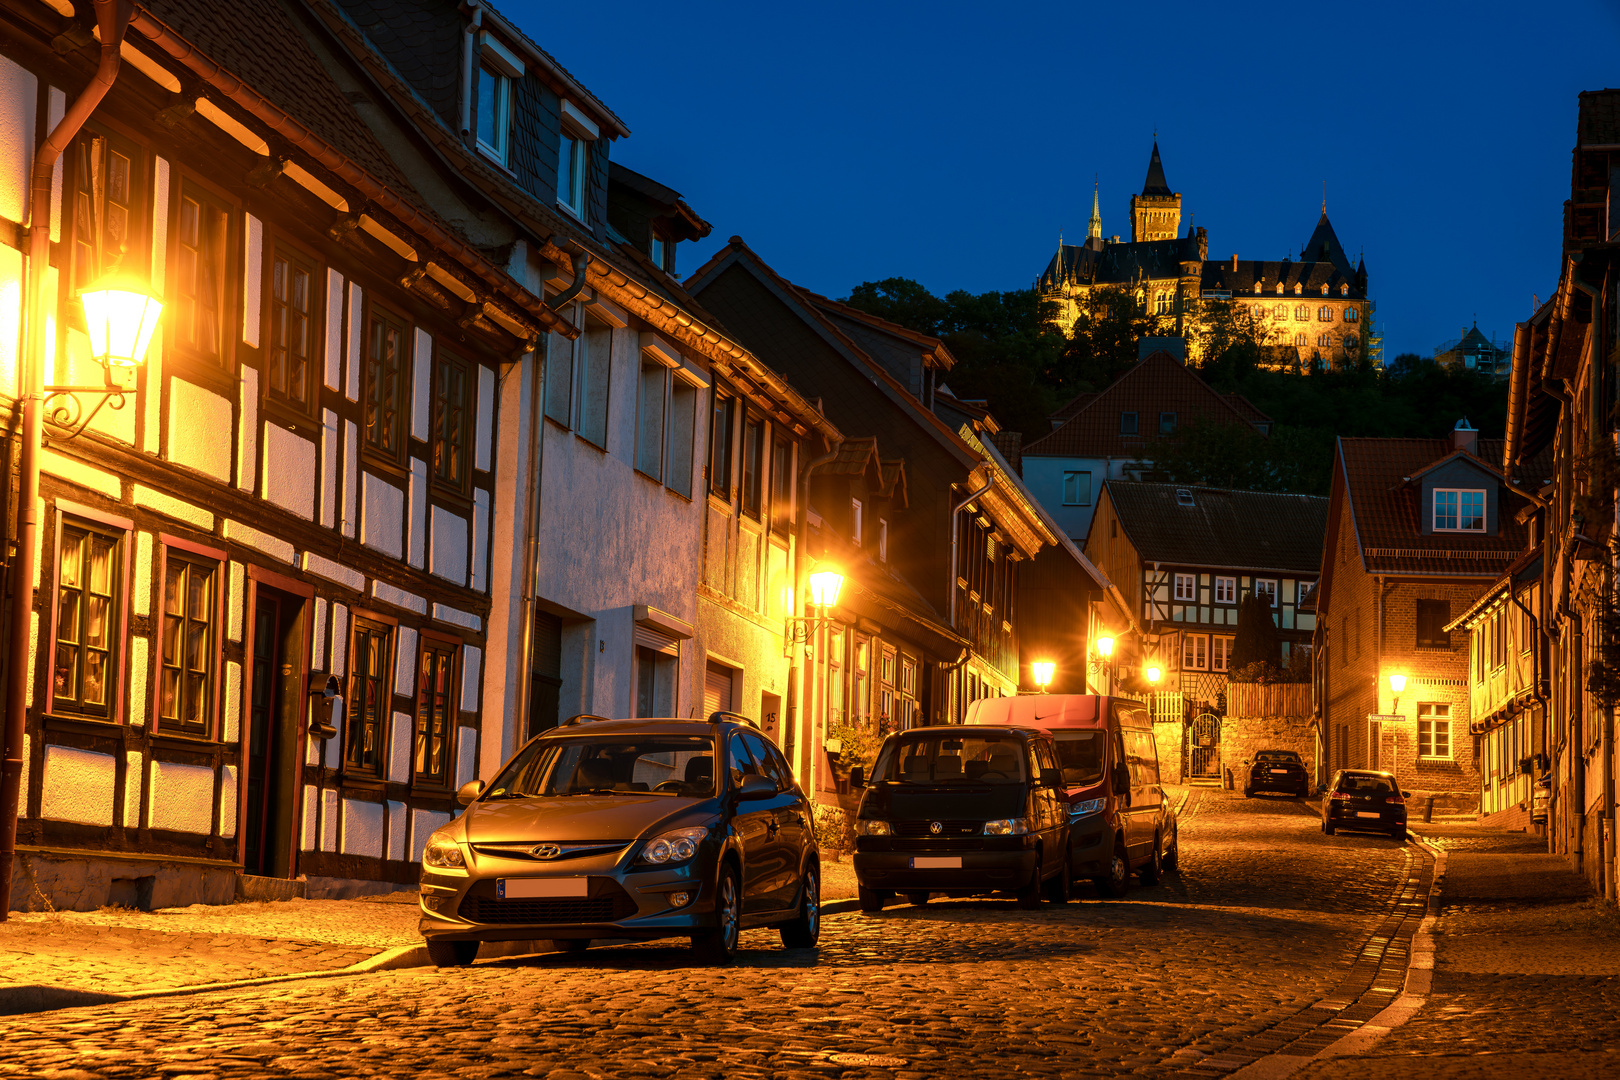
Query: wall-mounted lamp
x=1397 y=683
x=1042 y=671
x=121 y=317
x=1105 y=647
x=1154 y=673
x=826 y=582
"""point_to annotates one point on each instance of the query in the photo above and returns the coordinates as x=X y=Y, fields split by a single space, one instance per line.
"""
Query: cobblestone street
x=1266 y=917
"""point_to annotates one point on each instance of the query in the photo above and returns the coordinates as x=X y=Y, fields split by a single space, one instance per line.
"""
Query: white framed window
x=883 y=540
x=1077 y=489
x=655 y=251
x=1459 y=510
x=1186 y=587
x=1226 y=590
x=1266 y=588
x=1220 y=651
x=573 y=154
x=494 y=120
x=855 y=521
x=1434 y=730
x=1195 y=652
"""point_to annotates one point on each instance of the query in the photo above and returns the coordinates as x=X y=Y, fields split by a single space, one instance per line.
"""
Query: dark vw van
x=962 y=811
x=1119 y=819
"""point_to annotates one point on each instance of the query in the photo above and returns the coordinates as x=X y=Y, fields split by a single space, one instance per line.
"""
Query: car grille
x=565 y=851
x=608 y=902
x=946 y=828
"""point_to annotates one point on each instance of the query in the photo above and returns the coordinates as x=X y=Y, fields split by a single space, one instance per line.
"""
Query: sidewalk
x=73 y=957
x=1526 y=970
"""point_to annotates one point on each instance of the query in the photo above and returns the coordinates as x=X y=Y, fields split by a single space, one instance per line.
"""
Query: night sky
x=951 y=143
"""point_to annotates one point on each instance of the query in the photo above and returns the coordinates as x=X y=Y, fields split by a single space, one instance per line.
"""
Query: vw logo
x=545 y=851
x=934 y=827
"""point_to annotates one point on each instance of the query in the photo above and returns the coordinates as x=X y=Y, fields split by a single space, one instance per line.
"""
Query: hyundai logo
x=545 y=851
x=934 y=827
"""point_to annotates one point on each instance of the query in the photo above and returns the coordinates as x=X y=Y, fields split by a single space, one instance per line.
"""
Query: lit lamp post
x=1105 y=654
x=1154 y=673
x=1041 y=671
x=1397 y=683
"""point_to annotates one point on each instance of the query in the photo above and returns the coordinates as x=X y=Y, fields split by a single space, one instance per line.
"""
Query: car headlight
x=1086 y=809
x=672 y=847
x=442 y=852
x=872 y=827
x=1006 y=827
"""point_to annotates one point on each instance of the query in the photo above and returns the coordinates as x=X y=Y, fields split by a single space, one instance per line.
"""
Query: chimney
x=1464 y=437
x=1234 y=262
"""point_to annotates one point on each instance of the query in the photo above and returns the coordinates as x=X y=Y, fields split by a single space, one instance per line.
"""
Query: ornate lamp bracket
x=67 y=413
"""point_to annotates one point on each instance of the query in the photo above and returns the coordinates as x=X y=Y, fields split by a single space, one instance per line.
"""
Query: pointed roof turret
x=1095 y=231
x=1324 y=246
x=1156 y=183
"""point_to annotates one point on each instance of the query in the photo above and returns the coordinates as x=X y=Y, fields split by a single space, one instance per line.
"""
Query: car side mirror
x=1406 y=794
x=1245 y=761
x=857 y=776
x=469 y=791
x=755 y=787
x=1122 y=779
x=1052 y=778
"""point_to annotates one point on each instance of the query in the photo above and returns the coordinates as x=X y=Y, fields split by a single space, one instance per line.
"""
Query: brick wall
x=1243 y=736
x=1169 y=736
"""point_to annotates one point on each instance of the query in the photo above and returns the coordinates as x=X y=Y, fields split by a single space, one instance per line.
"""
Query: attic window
x=1324 y=288
x=1279 y=288
x=1127 y=423
x=1167 y=423
x=1459 y=510
x=1184 y=497
x=1258 y=286
x=1299 y=289
x=1344 y=290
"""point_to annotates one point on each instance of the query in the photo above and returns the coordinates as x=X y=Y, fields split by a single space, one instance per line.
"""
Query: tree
x=1103 y=342
x=1256 y=641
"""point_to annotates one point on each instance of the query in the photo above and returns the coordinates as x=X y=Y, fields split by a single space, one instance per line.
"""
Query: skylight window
x=1184 y=497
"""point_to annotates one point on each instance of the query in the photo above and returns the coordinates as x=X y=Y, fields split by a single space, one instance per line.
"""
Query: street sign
x=1386 y=718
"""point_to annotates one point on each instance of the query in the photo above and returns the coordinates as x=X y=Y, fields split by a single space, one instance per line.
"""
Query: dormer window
x=655 y=251
x=1279 y=288
x=1299 y=289
x=1344 y=290
x=497 y=67
x=1459 y=510
x=1324 y=288
x=573 y=158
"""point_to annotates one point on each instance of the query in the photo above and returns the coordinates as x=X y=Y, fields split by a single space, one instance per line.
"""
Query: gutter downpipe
x=801 y=569
x=112 y=18
x=950 y=575
x=531 y=553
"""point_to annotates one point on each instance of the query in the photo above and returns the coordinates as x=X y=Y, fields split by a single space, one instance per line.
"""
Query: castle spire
x=1095 y=231
x=1155 y=183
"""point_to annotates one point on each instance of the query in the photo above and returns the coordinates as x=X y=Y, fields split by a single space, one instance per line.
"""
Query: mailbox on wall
x=326 y=709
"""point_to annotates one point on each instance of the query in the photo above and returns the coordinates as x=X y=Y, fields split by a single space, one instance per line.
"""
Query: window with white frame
x=1076 y=488
x=1195 y=652
x=1434 y=730
x=1186 y=587
x=573 y=161
x=1459 y=510
x=494 y=111
x=855 y=521
x=1220 y=652
x=1226 y=590
x=1266 y=589
x=883 y=540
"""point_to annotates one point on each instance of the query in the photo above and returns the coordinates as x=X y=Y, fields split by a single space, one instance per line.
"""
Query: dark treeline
x=1010 y=354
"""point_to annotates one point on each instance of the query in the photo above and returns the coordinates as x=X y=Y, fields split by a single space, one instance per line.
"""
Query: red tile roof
x=1159 y=384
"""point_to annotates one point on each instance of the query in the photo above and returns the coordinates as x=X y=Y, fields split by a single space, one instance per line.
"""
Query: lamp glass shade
x=1397 y=683
x=825 y=585
x=121 y=321
x=1154 y=673
x=1042 y=670
x=1105 y=647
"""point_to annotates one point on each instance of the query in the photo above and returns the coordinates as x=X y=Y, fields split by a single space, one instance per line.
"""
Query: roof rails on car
x=721 y=717
x=581 y=718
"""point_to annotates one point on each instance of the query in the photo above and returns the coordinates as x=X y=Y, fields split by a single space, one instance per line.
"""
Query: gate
x=1204 y=747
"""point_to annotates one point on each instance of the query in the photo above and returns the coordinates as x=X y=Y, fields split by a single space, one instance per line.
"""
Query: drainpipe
x=469 y=39
x=801 y=569
x=112 y=17
x=519 y=710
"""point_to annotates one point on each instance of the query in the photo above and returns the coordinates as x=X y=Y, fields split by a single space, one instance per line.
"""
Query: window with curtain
x=88 y=588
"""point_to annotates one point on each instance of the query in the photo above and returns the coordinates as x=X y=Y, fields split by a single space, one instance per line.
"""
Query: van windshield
x=946 y=757
x=1080 y=755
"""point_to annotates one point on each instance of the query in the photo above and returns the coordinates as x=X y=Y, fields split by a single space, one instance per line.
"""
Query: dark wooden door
x=275 y=710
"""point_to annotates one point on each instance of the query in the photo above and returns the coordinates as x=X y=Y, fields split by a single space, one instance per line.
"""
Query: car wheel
x=1118 y=881
x=917 y=897
x=718 y=944
x=1172 y=858
x=1248 y=793
x=804 y=931
x=871 y=899
x=1400 y=834
x=1029 y=897
x=1057 y=890
x=451 y=953
x=1149 y=872
x=572 y=945
x=1327 y=826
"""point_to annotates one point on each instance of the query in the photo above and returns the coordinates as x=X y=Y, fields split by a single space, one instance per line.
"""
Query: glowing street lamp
x=1042 y=671
x=121 y=319
x=1105 y=647
x=1154 y=674
x=1397 y=683
x=826 y=582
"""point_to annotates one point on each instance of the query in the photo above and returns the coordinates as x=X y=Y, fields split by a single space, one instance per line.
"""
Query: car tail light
x=1395 y=800
x=1345 y=795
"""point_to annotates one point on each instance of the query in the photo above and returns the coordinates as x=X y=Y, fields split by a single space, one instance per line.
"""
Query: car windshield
x=1080 y=755
x=1366 y=785
x=610 y=764
x=946 y=757
x=1287 y=757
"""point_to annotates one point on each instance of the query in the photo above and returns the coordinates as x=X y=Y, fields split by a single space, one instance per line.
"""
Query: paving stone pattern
x=1265 y=918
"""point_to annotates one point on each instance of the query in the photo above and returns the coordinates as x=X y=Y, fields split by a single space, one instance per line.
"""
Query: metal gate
x=1204 y=746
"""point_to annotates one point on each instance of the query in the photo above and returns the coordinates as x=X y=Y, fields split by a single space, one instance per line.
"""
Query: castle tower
x=1156 y=213
x=1095 y=231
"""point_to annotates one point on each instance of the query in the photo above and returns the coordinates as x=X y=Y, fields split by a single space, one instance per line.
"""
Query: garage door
x=717 y=682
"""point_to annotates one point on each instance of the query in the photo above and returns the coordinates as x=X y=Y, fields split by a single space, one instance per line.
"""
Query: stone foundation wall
x=1243 y=736
x=1169 y=736
x=64 y=883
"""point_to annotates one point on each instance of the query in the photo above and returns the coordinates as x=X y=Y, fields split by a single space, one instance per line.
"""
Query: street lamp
x=1042 y=671
x=1105 y=647
x=826 y=582
x=1397 y=683
x=120 y=317
x=1154 y=673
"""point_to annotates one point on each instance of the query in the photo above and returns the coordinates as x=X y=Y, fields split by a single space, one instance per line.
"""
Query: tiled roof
x=1072 y=406
x=1240 y=530
x=1221 y=276
x=1010 y=444
x=1120 y=264
x=1599 y=123
x=1385 y=509
x=1324 y=246
x=1158 y=384
x=855 y=458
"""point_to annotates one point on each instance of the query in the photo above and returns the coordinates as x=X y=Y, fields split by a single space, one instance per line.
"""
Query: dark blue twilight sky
x=950 y=142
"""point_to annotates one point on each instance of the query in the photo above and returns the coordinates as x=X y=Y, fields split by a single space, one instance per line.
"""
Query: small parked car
x=633 y=829
x=1276 y=770
x=1365 y=799
x=1119 y=820
x=962 y=811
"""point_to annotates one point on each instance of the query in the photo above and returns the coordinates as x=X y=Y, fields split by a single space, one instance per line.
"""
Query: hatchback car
x=962 y=811
x=1364 y=799
x=1277 y=770
x=627 y=829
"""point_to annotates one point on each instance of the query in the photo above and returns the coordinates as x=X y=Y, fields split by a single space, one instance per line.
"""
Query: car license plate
x=1282 y=772
x=923 y=862
x=1368 y=813
x=526 y=888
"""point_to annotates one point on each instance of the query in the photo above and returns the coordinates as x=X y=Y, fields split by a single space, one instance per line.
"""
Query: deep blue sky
x=951 y=142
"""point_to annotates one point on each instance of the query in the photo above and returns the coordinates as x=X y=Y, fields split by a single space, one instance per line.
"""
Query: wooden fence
x=1268 y=699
